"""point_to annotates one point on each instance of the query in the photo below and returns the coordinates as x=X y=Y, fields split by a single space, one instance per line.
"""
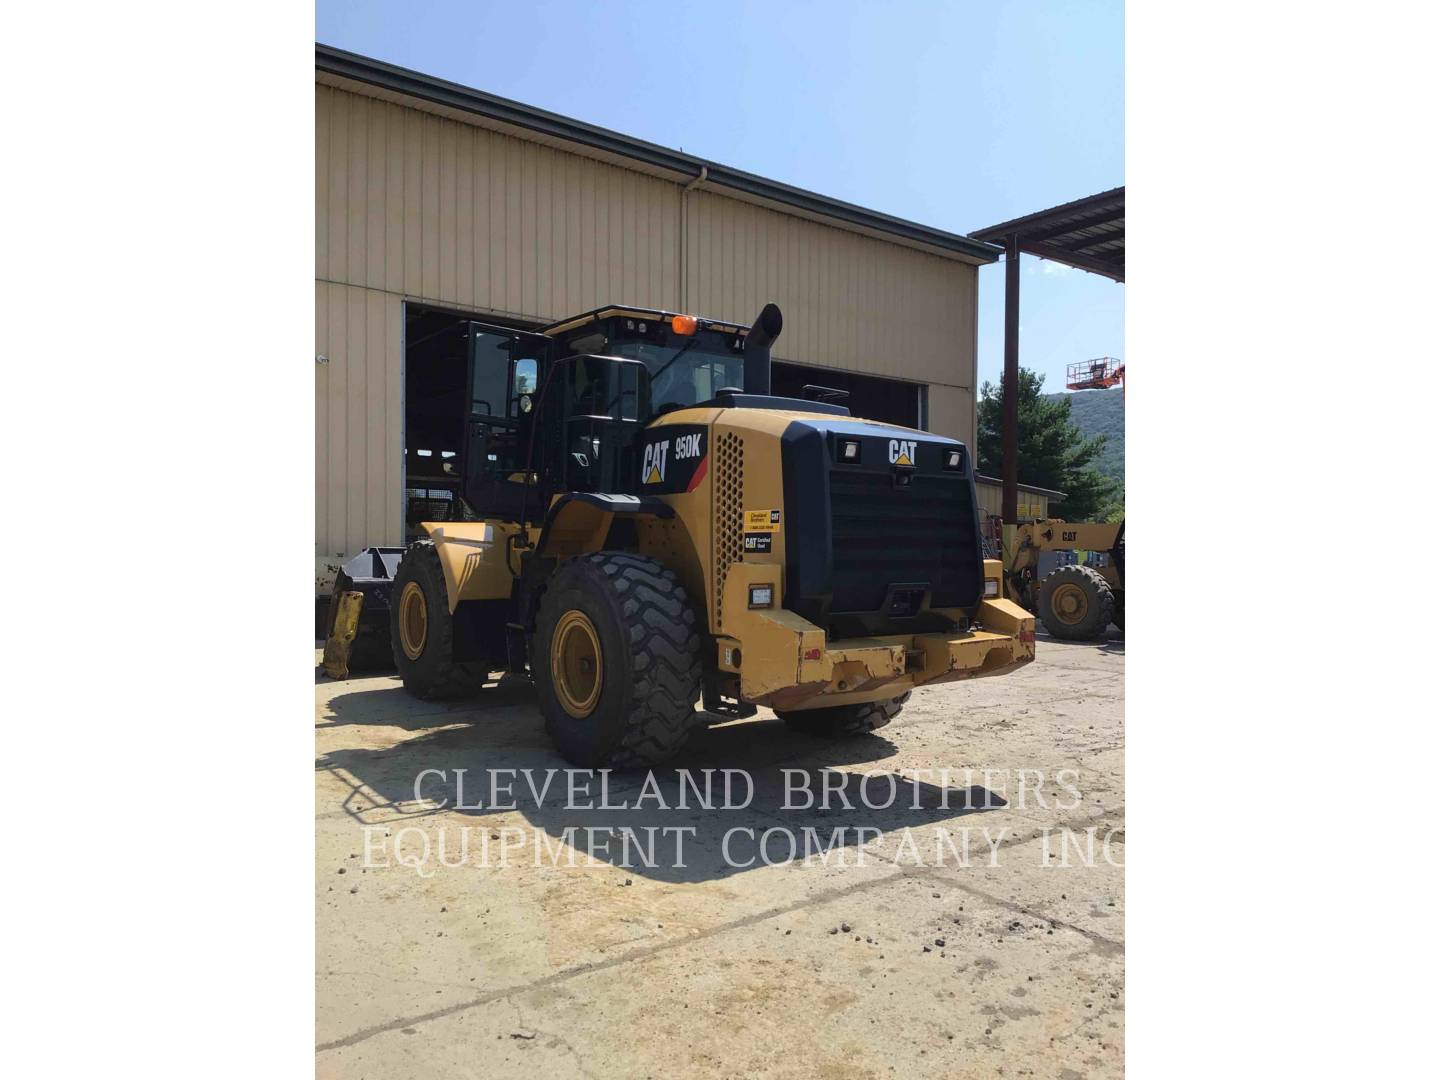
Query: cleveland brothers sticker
x=760 y=527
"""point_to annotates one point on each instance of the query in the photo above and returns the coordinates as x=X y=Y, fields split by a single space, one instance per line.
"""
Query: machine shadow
x=465 y=752
x=1113 y=641
x=388 y=704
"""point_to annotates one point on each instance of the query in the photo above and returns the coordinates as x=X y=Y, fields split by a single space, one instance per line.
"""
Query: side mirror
x=523 y=383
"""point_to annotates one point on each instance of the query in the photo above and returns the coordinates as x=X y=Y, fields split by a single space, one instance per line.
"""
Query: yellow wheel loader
x=652 y=528
x=1075 y=602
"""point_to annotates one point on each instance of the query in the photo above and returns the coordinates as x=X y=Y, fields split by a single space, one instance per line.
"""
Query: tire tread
x=842 y=720
x=1102 y=597
x=662 y=631
x=434 y=677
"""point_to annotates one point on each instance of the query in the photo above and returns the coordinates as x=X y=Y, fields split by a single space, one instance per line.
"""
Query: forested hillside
x=1102 y=412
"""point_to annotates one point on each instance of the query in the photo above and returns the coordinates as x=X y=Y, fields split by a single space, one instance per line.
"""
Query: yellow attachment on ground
x=342 y=635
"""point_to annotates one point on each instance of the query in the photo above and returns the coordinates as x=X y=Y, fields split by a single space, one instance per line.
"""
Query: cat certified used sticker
x=758 y=543
x=766 y=521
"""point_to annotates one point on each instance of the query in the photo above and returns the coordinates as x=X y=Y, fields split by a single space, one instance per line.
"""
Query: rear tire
x=422 y=630
x=1119 y=617
x=616 y=661
x=1076 y=603
x=843 y=720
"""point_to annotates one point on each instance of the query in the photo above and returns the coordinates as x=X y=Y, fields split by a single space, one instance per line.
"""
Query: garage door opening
x=438 y=393
x=890 y=401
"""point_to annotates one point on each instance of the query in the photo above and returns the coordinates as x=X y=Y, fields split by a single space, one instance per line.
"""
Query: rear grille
x=728 y=499
x=884 y=535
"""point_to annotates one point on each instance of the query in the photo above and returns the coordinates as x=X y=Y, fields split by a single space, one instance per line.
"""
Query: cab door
x=505 y=367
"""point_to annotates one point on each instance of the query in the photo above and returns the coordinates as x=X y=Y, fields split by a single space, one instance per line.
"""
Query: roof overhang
x=1088 y=234
x=346 y=70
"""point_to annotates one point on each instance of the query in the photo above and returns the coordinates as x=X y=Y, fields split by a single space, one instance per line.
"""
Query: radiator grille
x=728 y=499
x=885 y=535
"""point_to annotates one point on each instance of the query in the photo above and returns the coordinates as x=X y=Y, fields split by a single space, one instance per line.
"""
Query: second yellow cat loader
x=1075 y=602
x=652 y=527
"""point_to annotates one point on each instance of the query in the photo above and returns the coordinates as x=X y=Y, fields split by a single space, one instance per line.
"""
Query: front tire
x=843 y=720
x=1076 y=603
x=422 y=630
x=616 y=661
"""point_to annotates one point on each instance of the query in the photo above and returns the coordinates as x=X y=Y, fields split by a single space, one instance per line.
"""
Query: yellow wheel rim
x=575 y=662
x=1070 y=604
x=414 y=620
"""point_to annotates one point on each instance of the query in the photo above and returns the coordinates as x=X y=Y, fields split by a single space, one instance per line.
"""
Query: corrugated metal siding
x=952 y=413
x=850 y=301
x=1029 y=503
x=358 y=420
x=443 y=212
x=988 y=496
x=414 y=206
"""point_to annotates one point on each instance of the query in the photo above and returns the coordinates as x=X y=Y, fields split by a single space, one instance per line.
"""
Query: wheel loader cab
x=503 y=372
x=566 y=405
x=654 y=525
x=587 y=419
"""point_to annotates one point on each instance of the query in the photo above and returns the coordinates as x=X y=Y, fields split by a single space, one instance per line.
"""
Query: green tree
x=1053 y=452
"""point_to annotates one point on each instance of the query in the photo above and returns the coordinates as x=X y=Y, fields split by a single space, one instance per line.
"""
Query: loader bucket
x=371 y=574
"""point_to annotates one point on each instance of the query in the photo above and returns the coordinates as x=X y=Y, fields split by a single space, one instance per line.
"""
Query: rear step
x=712 y=701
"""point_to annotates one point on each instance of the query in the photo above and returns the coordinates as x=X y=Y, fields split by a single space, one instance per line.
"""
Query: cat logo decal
x=654 y=468
x=674 y=462
x=902 y=451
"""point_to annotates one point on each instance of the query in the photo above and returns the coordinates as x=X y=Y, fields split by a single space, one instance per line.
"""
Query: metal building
x=1034 y=503
x=436 y=203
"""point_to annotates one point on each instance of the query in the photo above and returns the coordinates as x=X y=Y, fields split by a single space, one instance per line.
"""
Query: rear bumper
x=784 y=662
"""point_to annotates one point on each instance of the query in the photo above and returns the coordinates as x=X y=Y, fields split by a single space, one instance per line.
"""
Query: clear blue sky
x=955 y=114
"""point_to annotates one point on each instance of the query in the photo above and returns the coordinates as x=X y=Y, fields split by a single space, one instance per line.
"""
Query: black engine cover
x=874 y=546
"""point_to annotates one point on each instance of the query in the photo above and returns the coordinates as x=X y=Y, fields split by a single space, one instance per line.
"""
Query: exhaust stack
x=757 y=349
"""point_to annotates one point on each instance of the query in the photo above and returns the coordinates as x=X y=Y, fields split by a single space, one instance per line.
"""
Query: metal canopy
x=1088 y=234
